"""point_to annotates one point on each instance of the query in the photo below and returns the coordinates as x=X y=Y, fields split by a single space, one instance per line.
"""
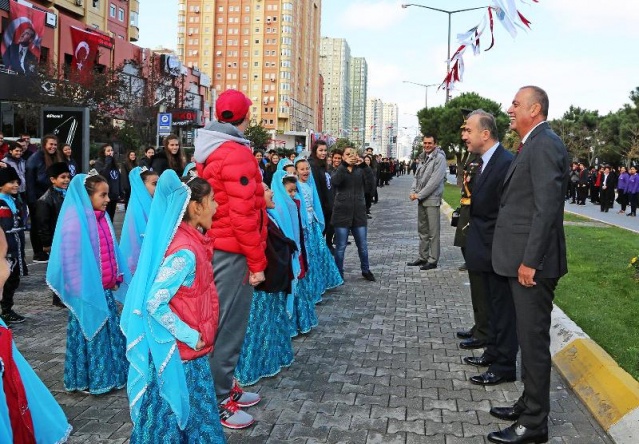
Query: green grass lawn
x=599 y=292
x=569 y=217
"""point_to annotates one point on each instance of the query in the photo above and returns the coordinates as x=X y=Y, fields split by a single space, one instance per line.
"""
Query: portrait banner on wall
x=22 y=39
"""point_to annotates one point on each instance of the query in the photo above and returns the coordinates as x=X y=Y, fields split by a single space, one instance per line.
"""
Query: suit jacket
x=530 y=227
x=11 y=58
x=484 y=208
x=429 y=179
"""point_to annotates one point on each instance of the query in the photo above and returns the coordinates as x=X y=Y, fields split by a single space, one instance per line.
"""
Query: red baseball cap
x=231 y=106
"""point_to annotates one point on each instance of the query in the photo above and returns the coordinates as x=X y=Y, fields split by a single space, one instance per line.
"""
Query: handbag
x=454 y=220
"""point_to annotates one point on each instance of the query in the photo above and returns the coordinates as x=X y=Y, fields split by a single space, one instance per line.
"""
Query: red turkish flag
x=22 y=38
x=85 y=51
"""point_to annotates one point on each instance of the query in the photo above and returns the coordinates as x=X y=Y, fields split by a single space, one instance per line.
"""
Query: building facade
x=268 y=49
x=390 y=123
x=335 y=66
x=374 y=124
x=359 y=87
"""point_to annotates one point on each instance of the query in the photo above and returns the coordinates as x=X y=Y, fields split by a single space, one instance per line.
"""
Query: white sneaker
x=232 y=417
x=243 y=399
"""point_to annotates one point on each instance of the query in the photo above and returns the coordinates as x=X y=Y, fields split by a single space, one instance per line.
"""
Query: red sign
x=185 y=116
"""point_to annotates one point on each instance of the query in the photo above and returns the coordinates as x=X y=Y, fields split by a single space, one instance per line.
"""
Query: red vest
x=197 y=306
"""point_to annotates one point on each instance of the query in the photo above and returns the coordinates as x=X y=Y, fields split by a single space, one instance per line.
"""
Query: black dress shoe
x=472 y=343
x=417 y=263
x=465 y=334
x=518 y=434
x=507 y=413
x=463 y=267
x=482 y=361
x=368 y=276
x=428 y=266
x=489 y=378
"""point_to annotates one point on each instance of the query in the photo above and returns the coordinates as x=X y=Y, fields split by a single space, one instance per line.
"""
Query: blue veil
x=135 y=219
x=285 y=215
x=189 y=167
x=145 y=337
x=74 y=272
x=316 y=204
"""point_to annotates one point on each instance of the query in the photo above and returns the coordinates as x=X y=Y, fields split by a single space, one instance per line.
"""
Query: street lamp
x=425 y=88
x=450 y=13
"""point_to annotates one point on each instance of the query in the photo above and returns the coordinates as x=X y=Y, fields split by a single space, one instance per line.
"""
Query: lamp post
x=425 y=88
x=450 y=14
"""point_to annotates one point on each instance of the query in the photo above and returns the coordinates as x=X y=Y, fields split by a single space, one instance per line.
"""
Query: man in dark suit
x=18 y=56
x=529 y=248
x=480 y=136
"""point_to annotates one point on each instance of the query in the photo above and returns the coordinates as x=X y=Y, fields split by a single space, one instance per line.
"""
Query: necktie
x=480 y=167
x=521 y=145
x=23 y=51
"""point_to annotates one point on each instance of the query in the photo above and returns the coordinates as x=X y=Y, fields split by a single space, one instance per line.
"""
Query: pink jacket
x=108 y=261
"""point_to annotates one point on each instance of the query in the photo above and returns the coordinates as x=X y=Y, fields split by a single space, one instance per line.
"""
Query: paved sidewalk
x=383 y=365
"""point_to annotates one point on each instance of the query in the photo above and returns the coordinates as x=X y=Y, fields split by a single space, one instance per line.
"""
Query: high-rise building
x=374 y=124
x=335 y=65
x=359 y=86
x=390 y=125
x=268 y=49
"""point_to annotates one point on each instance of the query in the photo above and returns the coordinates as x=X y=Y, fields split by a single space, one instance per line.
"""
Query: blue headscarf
x=316 y=204
x=137 y=214
x=74 y=272
x=144 y=335
x=188 y=168
x=285 y=215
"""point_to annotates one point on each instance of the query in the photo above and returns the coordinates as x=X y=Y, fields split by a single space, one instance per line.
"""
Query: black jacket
x=13 y=227
x=369 y=179
x=107 y=169
x=323 y=185
x=46 y=214
x=349 y=209
x=36 y=176
x=160 y=164
x=279 y=253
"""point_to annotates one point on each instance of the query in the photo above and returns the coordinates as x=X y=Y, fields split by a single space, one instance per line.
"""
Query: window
x=112 y=10
x=133 y=18
x=121 y=14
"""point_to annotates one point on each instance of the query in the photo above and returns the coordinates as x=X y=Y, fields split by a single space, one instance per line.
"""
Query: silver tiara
x=143 y=169
x=93 y=172
x=192 y=175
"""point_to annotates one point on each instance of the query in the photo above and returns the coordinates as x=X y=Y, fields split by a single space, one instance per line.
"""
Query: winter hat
x=231 y=106
x=7 y=175
x=57 y=168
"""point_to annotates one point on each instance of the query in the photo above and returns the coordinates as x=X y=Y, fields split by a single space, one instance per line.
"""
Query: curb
x=609 y=392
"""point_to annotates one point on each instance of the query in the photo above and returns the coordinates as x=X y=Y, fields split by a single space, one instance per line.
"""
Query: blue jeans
x=341 y=237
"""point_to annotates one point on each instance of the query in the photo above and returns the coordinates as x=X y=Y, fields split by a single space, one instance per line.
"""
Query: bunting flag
x=507 y=14
x=85 y=51
x=22 y=38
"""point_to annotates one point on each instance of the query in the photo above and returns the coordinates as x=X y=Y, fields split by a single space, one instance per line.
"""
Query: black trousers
x=533 y=306
x=111 y=207
x=10 y=287
x=481 y=310
x=502 y=349
x=36 y=243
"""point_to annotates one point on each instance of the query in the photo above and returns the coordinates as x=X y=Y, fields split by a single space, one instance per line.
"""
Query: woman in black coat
x=108 y=167
x=171 y=158
x=349 y=211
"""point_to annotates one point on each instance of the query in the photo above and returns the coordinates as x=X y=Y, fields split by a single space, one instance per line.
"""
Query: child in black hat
x=12 y=223
x=48 y=207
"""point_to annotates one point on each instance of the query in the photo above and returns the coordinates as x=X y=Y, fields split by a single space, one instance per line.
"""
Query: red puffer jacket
x=239 y=225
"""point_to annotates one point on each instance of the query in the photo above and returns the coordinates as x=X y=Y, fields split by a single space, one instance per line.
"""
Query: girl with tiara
x=170 y=320
x=267 y=345
x=88 y=273
x=322 y=271
x=143 y=182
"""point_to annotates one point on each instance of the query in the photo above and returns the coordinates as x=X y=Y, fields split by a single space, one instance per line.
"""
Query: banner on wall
x=22 y=39
x=85 y=51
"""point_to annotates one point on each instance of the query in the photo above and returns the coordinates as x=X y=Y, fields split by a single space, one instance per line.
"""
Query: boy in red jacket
x=224 y=158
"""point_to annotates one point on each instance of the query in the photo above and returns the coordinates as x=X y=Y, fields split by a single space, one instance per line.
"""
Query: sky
x=582 y=52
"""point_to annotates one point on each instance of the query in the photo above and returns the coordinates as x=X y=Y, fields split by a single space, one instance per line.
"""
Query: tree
x=258 y=135
x=342 y=143
x=444 y=122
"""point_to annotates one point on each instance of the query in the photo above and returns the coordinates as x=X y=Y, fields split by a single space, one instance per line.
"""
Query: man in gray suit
x=427 y=190
x=529 y=248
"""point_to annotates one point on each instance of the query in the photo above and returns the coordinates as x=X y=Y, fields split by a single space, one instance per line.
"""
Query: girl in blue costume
x=170 y=320
x=143 y=182
x=88 y=273
x=28 y=411
x=322 y=271
x=267 y=345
